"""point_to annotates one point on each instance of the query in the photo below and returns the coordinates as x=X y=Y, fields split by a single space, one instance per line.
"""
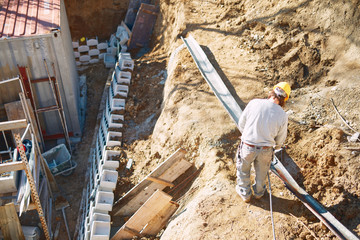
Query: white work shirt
x=263 y=123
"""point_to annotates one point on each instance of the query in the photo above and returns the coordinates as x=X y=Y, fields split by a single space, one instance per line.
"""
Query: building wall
x=55 y=47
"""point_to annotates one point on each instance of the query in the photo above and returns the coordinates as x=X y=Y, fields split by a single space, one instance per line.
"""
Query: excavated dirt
x=253 y=45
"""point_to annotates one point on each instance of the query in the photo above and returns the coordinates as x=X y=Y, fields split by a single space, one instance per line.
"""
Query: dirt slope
x=311 y=44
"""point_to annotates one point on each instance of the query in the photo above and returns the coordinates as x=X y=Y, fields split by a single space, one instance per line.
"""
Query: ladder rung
x=47 y=109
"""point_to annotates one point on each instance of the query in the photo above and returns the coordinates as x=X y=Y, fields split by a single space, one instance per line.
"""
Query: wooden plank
x=171 y=174
x=146 y=213
x=159 y=220
x=9 y=222
x=12 y=166
x=161 y=181
x=31 y=206
x=10 y=125
x=132 y=231
x=129 y=197
x=176 y=156
x=14 y=111
x=126 y=28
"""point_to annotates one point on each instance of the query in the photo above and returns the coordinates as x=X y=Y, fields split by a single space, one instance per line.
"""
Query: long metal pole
x=34 y=193
x=208 y=72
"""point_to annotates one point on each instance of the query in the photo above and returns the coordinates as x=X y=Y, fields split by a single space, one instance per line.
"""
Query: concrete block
x=126 y=64
x=94 y=60
x=100 y=217
x=83 y=48
x=122 y=76
x=124 y=37
x=119 y=31
x=123 y=48
x=108 y=162
x=76 y=54
x=94 y=52
x=123 y=81
x=111 y=50
x=103 y=45
x=101 y=56
x=113 y=138
x=75 y=44
x=113 y=121
x=108 y=180
x=84 y=58
x=100 y=230
x=87 y=231
x=121 y=90
x=104 y=201
x=109 y=60
x=117 y=104
x=124 y=56
x=92 y=42
x=113 y=41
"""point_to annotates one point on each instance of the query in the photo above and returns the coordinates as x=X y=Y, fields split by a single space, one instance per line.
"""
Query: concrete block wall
x=98 y=199
x=92 y=51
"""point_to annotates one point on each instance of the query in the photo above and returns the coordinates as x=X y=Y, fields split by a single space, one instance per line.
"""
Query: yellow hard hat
x=285 y=87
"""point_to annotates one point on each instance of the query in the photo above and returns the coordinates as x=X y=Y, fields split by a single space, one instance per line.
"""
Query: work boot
x=256 y=195
x=246 y=198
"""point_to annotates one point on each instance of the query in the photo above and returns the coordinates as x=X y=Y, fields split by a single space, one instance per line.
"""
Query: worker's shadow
x=222 y=75
x=280 y=205
x=347 y=210
x=283 y=205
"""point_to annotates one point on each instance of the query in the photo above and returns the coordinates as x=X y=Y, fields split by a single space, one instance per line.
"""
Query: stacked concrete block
x=123 y=37
x=108 y=180
x=89 y=51
x=109 y=60
x=98 y=199
x=92 y=42
x=100 y=230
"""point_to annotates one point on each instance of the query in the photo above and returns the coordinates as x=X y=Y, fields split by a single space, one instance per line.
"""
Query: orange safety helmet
x=285 y=87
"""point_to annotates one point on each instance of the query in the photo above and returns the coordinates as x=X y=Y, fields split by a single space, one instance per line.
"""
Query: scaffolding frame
x=39 y=164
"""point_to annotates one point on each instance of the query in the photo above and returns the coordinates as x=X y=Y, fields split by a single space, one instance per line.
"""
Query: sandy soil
x=253 y=45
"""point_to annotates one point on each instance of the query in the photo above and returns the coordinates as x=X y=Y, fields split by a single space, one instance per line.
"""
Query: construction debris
x=150 y=218
x=158 y=179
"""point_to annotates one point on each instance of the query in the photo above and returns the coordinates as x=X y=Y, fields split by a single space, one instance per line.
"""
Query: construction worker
x=263 y=125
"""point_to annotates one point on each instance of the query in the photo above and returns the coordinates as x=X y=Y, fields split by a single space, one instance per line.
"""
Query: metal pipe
x=7 y=145
x=10 y=80
x=26 y=131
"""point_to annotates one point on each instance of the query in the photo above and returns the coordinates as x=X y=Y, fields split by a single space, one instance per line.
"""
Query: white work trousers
x=262 y=158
